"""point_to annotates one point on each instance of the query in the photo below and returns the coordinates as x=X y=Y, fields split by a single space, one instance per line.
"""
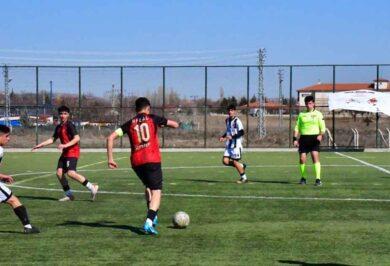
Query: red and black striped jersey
x=66 y=132
x=142 y=132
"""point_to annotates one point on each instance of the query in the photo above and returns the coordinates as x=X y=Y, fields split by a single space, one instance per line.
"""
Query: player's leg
x=64 y=183
x=72 y=165
x=148 y=198
x=302 y=167
x=21 y=213
x=151 y=177
x=227 y=161
x=315 y=156
x=240 y=167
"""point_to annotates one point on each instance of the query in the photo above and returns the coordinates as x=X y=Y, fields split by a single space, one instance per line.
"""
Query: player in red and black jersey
x=145 y=155
x=67 y=163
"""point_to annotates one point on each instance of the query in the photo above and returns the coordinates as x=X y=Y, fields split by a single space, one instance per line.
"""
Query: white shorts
x=233 y=153
x=5 y=192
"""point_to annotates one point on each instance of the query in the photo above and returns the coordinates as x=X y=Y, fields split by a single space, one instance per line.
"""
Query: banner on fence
x=360 y=100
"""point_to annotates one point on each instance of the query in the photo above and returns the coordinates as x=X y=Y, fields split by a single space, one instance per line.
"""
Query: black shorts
x=150 y=175
x=67 y=163
x=308 y=143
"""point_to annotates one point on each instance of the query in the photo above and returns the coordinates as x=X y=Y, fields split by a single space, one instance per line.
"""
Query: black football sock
x=64 y=184
x=21 y=212
x=151 y=214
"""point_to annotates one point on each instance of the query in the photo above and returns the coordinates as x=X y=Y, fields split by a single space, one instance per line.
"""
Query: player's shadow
x=104 y=224
x=302 y=263
x=204 y=180
x=37 y=198
x=272 y=182
x=11 y=232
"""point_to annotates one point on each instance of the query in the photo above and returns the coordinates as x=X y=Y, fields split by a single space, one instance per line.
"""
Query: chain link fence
x=102 y=98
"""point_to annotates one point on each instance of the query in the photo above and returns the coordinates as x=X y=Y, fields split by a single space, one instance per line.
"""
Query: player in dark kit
x=145 y=155
x=6 y=195
x=67 y=163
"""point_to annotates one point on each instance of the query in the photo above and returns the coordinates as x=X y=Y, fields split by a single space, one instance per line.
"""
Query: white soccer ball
x=181 y=219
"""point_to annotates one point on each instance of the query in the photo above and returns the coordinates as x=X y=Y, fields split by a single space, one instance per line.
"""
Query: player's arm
x=172 y=124
x=296 y=131
x=240 y=132
x=322 y=127
x=43 y=144
x=75 y=140
x=110 y=145
x=6 y=178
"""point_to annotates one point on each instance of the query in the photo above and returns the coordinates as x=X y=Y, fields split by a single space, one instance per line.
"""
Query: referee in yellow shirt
x=310 y=128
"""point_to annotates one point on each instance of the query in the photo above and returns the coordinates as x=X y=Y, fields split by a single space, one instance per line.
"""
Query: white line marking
x=51 y=173
x=365 y=163
x=195 y=167
x=216 y=196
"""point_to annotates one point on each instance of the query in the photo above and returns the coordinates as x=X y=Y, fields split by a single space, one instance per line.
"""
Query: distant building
x=321 y=91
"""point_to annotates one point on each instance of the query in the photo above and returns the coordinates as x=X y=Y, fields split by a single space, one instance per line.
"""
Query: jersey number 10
x=143 y=133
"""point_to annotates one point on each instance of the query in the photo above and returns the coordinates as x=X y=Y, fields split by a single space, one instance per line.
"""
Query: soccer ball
x=180 y=219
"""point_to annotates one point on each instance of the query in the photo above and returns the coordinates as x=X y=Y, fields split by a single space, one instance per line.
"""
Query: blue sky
x=195 y=32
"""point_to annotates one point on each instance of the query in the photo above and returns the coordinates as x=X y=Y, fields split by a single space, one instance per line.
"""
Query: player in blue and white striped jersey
x=233 y=142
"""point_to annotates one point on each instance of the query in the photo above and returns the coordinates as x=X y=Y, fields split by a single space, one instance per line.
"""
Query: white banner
x=360 y=100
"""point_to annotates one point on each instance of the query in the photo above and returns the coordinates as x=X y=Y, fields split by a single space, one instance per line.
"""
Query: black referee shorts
x=150 y=175
x=308 y=143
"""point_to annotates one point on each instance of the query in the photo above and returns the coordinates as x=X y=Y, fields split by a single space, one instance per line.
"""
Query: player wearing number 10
x=145 y=155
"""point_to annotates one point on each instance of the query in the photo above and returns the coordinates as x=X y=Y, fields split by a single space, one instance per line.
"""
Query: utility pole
x=261 y=123
x=280 y=76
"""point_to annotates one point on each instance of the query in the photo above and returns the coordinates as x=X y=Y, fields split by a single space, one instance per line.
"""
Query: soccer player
x=233 y=140
x=6 y=194
x=67 y=163
x=145 y=155
x=310 y=128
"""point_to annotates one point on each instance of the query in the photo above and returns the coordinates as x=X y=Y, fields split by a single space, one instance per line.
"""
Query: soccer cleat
x=67 y=198
x=94 y=191
x=32 y=230
x=318 y=182
x=303 y=181
x=242 y=181
x=149 y=229
x=155 y=221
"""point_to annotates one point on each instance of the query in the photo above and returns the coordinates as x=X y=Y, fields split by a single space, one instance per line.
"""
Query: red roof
x=338 y=87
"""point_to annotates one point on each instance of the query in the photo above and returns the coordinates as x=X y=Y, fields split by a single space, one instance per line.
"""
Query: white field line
x=365 y=163
x=51 y=173
x=194 y=167
x=217 y=196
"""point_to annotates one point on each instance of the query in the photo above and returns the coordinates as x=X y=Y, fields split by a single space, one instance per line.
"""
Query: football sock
x=87 y=184
x=302 y=168
x=243 y=176
x=21 y=212
x=69 y=193
x=64 y=184
x=151 y=214
x=317 y=170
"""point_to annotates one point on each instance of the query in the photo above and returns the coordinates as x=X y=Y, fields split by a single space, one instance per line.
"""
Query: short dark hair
x=141 y=103
x=4 y=129
x=231 y=107
x=309 y=98
x=63 y=108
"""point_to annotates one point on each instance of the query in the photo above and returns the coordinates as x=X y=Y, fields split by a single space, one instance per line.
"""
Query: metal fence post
x=290 y=108
x=333 y=113
x=163 y=108
x=377 y=114
x=121 y=105
x=205 y=108
x=37 y=104
x=80 y=98
x=247 y=106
